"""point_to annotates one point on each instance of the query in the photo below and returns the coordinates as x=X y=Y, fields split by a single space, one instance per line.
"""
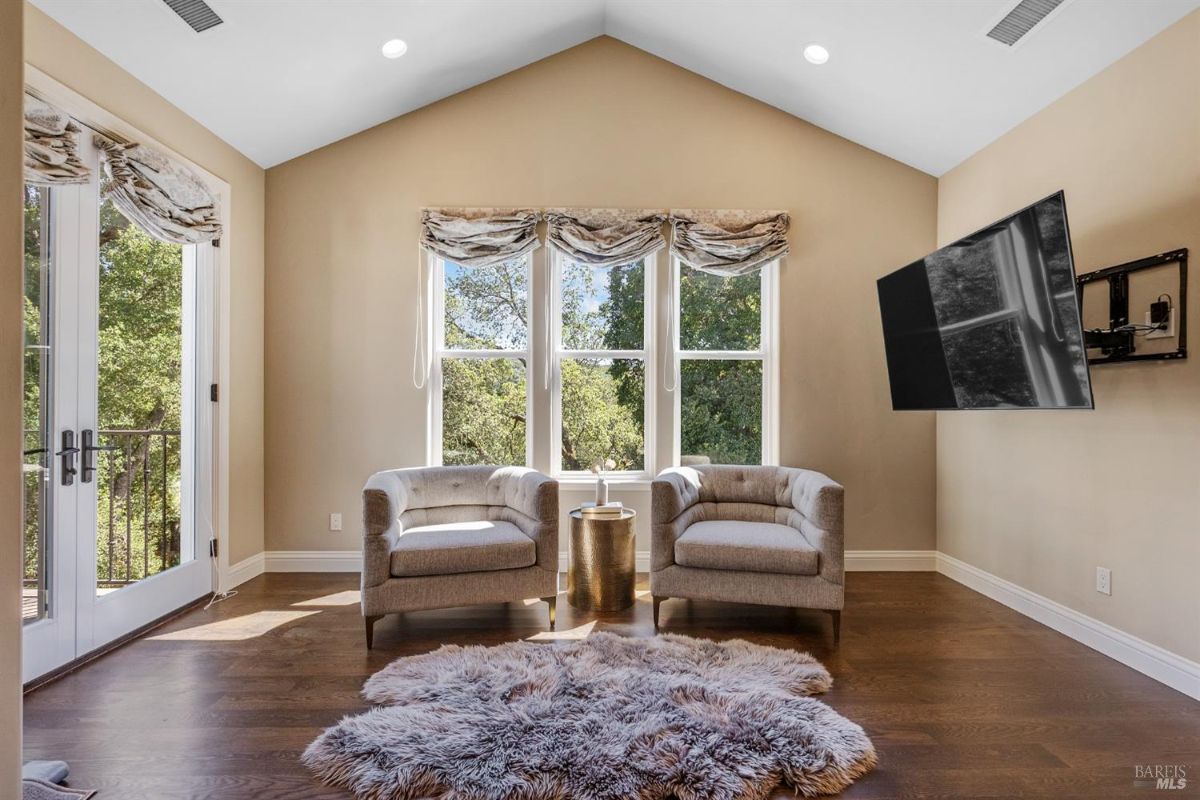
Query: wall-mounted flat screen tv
x=991 y=321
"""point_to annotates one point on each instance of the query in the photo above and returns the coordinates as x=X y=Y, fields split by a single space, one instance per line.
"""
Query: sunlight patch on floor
x=531 y=601
x=350 y=597
x=571 y=634
x=234 y=629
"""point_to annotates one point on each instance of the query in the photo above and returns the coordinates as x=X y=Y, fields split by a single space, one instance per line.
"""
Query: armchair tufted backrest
x=771 y=486
x=434 y=495
x=750 y=493
x=754 y=494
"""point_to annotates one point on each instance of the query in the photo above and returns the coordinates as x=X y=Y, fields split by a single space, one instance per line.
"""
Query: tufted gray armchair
x=439 y=537
x=766 y=535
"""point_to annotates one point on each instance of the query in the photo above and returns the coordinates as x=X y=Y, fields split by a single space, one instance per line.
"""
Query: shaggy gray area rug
x=598 y=719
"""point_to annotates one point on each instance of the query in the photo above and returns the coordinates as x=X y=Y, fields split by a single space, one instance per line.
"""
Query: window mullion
x=604 y=354
x=478 y=354
x=723 y=355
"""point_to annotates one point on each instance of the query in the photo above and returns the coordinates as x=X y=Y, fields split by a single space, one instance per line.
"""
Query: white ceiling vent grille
x=196 y=13
x=1024 y=17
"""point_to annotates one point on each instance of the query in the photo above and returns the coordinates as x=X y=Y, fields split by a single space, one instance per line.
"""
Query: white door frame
x=50 y=642
x=102 y=619
x=89 y=625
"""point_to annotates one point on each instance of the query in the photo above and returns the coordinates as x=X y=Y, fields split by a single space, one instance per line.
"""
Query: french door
x=118 y=359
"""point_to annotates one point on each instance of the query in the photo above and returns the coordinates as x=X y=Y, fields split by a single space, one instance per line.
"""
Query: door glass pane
x=38 y=462
x=720 y=412
x=603 y=413
x=487 y=308
x=603 y=308
x=483 y=411
x=138 y=482
x=717 y=313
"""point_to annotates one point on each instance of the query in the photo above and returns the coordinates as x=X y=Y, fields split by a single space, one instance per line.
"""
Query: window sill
x=578 y=484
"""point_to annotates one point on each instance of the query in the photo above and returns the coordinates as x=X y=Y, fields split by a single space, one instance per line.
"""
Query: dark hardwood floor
x=962 y=697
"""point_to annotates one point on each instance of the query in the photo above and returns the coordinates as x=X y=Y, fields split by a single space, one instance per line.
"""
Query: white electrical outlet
x=1165 y=333
x=1103 y=580
x=335 y=522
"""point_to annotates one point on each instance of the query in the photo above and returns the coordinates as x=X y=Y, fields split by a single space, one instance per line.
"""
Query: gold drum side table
x=601 y=573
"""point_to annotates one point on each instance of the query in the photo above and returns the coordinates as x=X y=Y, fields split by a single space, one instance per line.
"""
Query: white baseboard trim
x=313 y=560
x=856 y=561
x=351 y=561
x=891 y=560
x=244 y=570
x=1149 y=659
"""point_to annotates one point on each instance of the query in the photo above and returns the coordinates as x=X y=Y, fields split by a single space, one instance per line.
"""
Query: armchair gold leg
x=370 y=622
x=551 y=601
x=657 y=603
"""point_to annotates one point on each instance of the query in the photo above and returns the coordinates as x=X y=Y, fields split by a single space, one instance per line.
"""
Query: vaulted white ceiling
x=916 y=80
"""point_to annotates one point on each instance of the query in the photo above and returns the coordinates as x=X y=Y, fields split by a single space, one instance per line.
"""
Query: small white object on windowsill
x=601 y=484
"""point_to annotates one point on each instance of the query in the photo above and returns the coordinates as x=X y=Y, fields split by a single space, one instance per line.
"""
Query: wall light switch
x=1103 y=580
x=335 y=522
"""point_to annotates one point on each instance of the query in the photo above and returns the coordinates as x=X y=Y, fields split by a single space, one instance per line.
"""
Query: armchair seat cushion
x=456 y=547
x=746 y=547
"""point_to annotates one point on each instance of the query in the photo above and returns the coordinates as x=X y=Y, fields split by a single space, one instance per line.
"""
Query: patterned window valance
x=471 y=237
x=51 y=146
x=158 y=193
x=479 y=237
x=722 y=242
x=728 y=242
x=605 y=236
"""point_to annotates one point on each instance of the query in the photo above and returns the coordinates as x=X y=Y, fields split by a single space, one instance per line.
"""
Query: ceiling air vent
x=196 y=13
x=1024 y=17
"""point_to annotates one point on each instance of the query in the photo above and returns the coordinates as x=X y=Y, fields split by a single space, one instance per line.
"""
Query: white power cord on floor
x=217 y=596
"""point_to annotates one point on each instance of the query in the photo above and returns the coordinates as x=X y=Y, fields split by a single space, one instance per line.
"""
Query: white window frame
x=437 y=320
x=544 y=350
x=767 y=353
x=647 y=354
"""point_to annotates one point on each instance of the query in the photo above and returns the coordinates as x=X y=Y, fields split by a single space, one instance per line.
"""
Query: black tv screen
x=991 y=321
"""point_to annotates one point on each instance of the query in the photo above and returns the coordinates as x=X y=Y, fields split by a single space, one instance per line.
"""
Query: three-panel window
x=591 y=356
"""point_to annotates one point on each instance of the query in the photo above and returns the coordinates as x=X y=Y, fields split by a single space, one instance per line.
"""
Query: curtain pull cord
x=669 y=370
x=420 y=368
x=549 y=338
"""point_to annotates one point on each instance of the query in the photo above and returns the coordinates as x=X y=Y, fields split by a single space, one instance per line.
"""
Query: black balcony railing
x=138 y=511
x=138 y=505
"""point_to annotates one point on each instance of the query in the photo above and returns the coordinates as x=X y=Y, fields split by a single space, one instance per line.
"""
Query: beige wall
x=341 y=239
x=11 y=352
x=59 y=53
x=1043 y=498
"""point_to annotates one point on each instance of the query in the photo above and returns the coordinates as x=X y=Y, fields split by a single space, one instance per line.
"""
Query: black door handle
x=89 y=451
x=68 y=457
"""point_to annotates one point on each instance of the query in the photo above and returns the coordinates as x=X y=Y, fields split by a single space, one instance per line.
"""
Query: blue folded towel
x=49 y=771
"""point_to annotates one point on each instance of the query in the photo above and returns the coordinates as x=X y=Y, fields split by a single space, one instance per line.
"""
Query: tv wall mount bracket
x=1118 y=343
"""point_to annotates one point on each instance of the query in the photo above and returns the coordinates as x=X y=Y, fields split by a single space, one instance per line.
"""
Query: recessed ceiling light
x=815 y=54
x=394 y=48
